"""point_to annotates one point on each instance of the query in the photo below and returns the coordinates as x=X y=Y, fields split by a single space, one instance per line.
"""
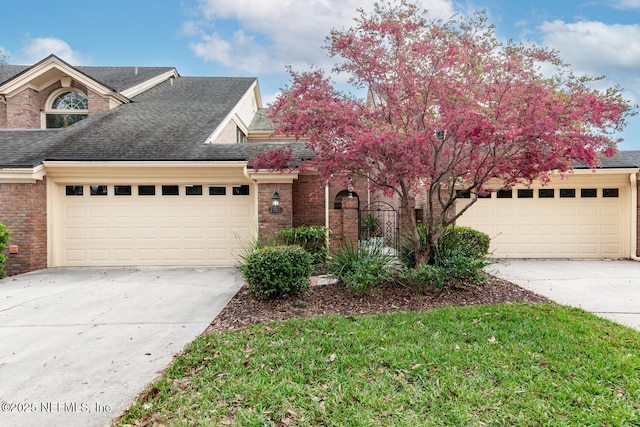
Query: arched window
x=67 y=108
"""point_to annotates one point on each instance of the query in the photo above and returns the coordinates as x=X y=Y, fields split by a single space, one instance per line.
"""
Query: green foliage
x=363 y=268
x=456 y=241
x=424 y=276
x=4 y=239
x=369 y=224
x=463 y=241
x=277 y=271
x=407 y=253
x=458 y=256
x=494 y=365
x=312 y=238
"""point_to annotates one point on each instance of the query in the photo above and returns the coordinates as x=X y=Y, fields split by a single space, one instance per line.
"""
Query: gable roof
x=169 y=122
x=102 y=79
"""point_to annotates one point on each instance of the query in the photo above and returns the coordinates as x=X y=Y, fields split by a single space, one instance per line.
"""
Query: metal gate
x=380 y=225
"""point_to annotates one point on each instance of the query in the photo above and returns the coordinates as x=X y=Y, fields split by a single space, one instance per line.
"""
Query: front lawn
x=506 y=365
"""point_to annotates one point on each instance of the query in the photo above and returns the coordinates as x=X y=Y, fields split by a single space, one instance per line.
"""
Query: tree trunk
x=422 y=253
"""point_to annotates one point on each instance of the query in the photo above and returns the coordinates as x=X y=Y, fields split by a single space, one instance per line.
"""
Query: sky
x=260 y=38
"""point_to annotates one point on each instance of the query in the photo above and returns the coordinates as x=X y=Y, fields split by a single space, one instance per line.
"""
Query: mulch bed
x=244 y=310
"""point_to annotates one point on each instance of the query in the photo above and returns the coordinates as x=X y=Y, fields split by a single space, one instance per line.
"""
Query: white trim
x=148 y=84
x=234 y=112
x=634 y=216
x=25 y=80
x=22 y=175
x=265 y=177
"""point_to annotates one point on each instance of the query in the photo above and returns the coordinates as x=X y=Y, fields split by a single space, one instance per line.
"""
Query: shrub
x=4 y=239
x=407 y=253
x=459 y=267
x=462 y=241
x=312 y=239
x=277 y=271
x=424 y=276
x=456 y=241
x=361 y=269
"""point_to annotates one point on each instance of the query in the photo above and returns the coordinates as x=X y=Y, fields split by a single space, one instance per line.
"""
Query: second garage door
x=101 y=224
x=581 y=216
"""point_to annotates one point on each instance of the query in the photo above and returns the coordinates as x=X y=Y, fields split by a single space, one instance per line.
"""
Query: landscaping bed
x=335 y=298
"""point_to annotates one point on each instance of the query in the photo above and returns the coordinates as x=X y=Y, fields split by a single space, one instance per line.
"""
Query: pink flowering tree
x=449 y=107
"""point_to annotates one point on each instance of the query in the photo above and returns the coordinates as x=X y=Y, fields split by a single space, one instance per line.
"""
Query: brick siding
x=268 y=223
x=23 y=110
x=308 y=202
x=24 y=212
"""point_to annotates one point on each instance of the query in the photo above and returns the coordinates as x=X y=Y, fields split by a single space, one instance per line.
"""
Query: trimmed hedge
x=277 y=271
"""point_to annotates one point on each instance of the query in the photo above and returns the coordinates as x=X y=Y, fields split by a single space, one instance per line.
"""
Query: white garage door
x=168 y=224
x=579 y=217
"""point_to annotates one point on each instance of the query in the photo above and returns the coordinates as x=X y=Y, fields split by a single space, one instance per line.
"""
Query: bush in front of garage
x=277 y=271
x=459 y=256
x=4 y=239
x=457 y=241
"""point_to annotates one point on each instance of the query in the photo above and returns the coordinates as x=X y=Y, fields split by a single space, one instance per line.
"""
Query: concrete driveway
x=610 y=289
x=78 y=345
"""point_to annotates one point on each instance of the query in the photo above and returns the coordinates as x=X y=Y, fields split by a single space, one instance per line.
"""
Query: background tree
x=450 y=107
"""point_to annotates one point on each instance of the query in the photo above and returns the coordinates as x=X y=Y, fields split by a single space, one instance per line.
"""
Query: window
x=193 y=190
x=66 y=109
x=241 y=138
x=98 y=190
x=610 y=192
x=170 y=190
x=546 y=193
x=217 y=190
x=240 y=190
x=525 y=193
x=463 y=194
x=74 y=190
x=504 y=194
x=146 y=190
x=122 y=190
x=567 y=192
x=588 y=192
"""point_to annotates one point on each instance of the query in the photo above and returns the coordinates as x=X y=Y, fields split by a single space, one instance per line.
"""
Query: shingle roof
x=170 y=122
x=624 y=159
x=116 y=78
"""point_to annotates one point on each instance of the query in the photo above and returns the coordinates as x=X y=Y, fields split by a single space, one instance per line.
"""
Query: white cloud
x=627 y=4
x=39 y=48
x=274 y=33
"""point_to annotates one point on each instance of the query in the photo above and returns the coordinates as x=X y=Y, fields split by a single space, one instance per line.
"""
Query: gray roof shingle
x=116 y=78
x=169 y=122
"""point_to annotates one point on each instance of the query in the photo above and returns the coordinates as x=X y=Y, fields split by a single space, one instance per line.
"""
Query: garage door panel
x=579 y=227
x=152 y=230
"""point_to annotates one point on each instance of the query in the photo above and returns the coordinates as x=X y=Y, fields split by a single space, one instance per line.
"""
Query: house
x=140 y=166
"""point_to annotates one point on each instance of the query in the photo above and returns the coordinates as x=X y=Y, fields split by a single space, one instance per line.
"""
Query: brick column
x=24 y=212
x=270 y=223
x=350 y=221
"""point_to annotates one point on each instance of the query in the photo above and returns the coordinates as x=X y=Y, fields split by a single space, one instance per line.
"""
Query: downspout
x=326 y=211
x=634 y=216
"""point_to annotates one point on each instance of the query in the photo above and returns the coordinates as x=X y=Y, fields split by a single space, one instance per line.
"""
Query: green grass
x=502 y=365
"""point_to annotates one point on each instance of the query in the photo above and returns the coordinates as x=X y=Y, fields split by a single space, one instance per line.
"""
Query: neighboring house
x=137 y=166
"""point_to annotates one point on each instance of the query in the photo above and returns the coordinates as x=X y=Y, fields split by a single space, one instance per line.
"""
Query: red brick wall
x=268 y=223
x=308 y=208
x=23 y=111
x=23 y=210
